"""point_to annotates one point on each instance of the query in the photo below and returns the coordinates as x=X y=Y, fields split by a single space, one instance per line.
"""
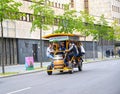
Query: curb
x=93 y=61
x=22 y=73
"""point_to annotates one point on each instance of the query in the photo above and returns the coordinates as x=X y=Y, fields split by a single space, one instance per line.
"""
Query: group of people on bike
x=75 y=50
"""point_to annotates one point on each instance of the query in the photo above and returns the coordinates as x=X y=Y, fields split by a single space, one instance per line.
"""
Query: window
x=115 y=9
x=49 y=3
x=30 y=17
x=24 y=17
x=59 y=5
x=118 y=0
x=86 y=7
x=72 y=3
x=112 y=8
x=28 y=0
x=62 y=6
x=55 y=5
x=56 y=21
x=43 y=20
x=52 y=4
x=119 y=9
x=118 y=19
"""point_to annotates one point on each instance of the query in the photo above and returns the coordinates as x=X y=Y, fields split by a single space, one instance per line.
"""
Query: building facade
x=19 y=42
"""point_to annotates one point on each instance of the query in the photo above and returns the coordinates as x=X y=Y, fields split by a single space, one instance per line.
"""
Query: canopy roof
x=59 y=34
x=63 y=37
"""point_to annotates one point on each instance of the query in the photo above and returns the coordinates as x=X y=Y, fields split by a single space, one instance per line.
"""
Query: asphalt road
x=96 y=78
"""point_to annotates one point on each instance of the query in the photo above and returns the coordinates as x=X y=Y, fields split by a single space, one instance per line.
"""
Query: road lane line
x=19 y=90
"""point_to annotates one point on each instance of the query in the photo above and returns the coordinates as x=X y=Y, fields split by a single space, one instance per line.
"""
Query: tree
x=116 y=28
x=43 y=17
x=70 y=22
x=104 y=31
x=67 y=21
x=8 y=10
x=102 y=27
x=86 y=24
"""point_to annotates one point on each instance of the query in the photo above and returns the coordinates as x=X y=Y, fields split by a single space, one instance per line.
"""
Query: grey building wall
x=91 y=49
x=10 y=51
x=26 y=49
x=94 y=50
x=17 y=49
x=102 y=50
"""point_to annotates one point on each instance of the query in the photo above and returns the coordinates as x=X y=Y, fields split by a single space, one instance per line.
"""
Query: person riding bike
x=72 y=52
x=81 y=50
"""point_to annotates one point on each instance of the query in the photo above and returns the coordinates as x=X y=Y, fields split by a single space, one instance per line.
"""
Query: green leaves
x=104 y=30
x=9 y=9
x=43 y=15
x=87 y=23
x=67 y=21
x=116 y=29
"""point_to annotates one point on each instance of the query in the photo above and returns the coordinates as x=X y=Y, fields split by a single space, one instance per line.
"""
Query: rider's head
x=70 y=44
x=50 y=45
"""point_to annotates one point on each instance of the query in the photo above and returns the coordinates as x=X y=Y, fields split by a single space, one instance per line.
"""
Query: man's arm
x=71 y=48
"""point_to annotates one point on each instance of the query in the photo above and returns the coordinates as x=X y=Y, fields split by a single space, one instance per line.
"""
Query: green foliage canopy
x=9 y=9
x=67 y=21
x=43 y=15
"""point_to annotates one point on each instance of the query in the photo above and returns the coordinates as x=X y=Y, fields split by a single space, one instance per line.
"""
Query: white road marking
x=19 y=90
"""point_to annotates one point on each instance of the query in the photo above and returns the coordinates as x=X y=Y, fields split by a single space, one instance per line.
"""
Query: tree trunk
x=41 y=47
x=41 y=43
x=102 y=47
x=2 y=42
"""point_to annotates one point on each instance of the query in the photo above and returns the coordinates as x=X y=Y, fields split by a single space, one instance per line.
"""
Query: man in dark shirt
x=73 y=51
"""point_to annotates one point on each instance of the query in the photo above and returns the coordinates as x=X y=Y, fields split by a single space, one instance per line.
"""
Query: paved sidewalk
x=21 y=67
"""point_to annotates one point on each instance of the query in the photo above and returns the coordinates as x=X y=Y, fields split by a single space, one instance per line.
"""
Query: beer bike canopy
x=63 y=37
